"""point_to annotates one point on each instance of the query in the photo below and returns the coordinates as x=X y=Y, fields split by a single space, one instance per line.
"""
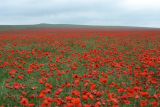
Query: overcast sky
x=84 y=12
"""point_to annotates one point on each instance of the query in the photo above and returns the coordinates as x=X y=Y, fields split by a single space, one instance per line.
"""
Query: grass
x=81 y=63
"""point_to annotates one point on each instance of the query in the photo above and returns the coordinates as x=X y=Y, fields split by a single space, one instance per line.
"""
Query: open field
x=79 y=66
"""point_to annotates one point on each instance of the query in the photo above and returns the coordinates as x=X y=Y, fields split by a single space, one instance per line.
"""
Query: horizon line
x=89 y=25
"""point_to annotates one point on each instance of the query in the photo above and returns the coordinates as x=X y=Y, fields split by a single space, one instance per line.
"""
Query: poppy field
x=79 y=68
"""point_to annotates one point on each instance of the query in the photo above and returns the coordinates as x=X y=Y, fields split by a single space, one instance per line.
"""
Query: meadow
x=80 y=68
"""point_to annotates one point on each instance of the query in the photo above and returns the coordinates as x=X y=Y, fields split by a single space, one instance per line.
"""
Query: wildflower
x=24 y=102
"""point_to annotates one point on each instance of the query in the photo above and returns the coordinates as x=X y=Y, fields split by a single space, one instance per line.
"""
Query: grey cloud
x=94 y=12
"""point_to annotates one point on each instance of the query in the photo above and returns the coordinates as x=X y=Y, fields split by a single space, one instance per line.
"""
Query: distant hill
x=45 y=25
